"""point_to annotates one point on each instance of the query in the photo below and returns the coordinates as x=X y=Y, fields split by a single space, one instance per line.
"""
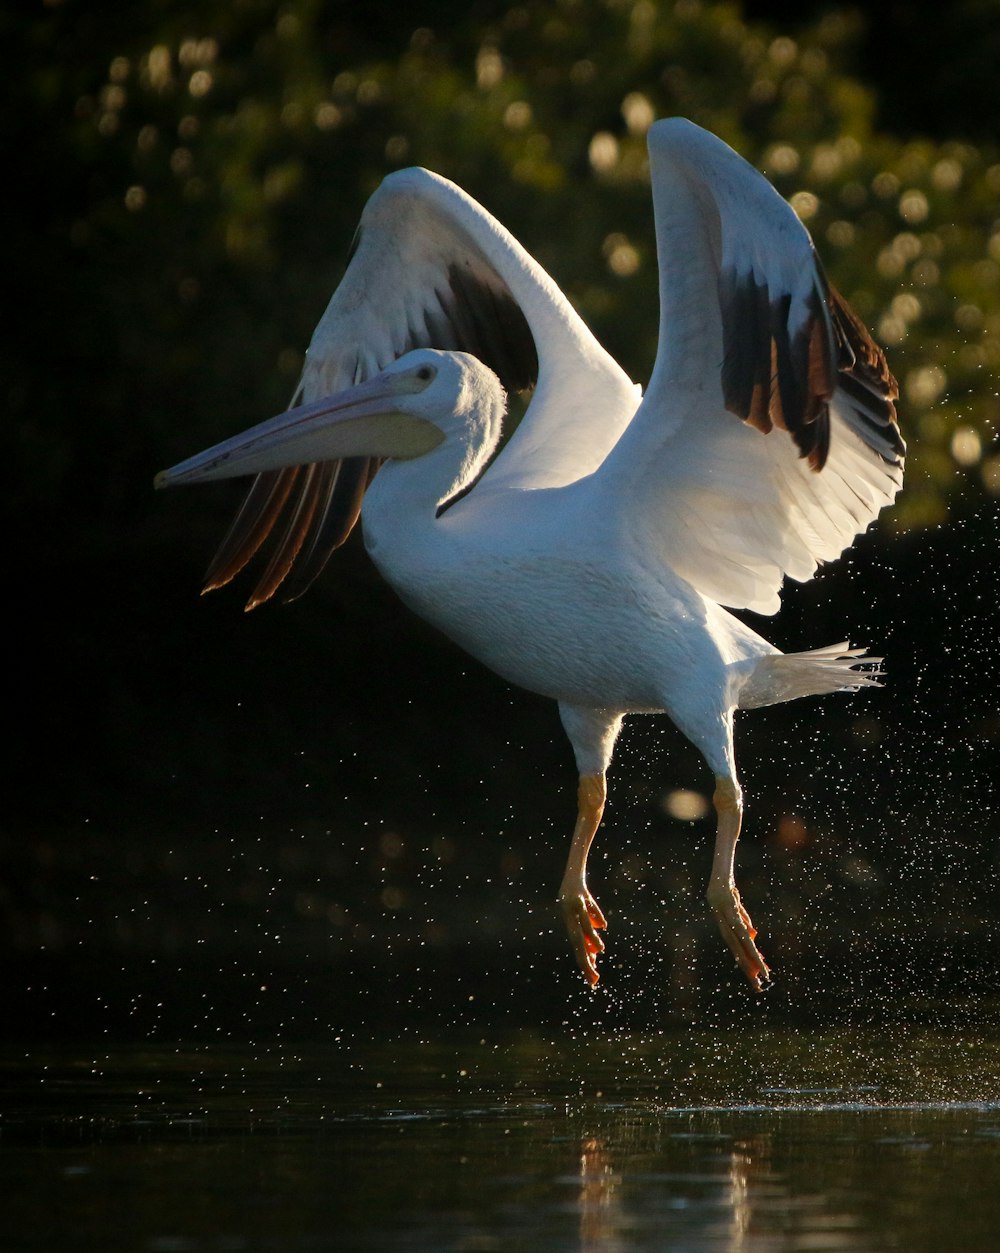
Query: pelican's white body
x=594 y=625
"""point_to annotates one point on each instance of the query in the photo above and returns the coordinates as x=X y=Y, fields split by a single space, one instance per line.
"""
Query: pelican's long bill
x=363 y=421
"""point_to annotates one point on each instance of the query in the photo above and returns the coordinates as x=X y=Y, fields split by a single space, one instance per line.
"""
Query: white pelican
x=590 y=560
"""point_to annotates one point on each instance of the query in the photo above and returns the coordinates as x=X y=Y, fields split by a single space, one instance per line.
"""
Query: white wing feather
x=432 y=269
x=748 y=324
x=419 y=235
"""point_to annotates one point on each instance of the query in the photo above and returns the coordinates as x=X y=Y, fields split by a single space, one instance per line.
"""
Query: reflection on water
x=598 y=1184
x=680 y=1142
x=735 y=1202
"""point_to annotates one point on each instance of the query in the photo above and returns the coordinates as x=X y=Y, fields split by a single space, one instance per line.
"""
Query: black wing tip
x=775 y=377
x=772 y=376
x=254 y=521
x=318 y=506
x=489 y=323
x=865 y=377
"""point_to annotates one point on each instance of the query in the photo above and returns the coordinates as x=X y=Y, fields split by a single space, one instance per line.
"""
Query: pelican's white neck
x=405 y=496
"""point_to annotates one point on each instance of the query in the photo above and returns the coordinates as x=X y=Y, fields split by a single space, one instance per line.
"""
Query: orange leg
x=580 y=911
x=723 y=895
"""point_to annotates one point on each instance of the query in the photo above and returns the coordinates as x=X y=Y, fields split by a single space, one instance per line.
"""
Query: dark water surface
x=689 y=1140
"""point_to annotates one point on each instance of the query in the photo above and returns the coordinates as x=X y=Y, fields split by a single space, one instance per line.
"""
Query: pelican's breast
x=546 y=605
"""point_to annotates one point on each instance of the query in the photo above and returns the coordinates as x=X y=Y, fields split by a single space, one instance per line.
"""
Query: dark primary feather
x=334 y=520
x=315 y=486
x=774 y=377
x=261 y=508
x=869 y=388
x=492 y=322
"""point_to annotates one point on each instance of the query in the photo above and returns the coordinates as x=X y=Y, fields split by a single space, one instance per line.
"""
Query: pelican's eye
x=426 y=373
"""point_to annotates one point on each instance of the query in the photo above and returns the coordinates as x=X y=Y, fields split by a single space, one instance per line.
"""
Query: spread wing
x=767 y=439
x=432 y=269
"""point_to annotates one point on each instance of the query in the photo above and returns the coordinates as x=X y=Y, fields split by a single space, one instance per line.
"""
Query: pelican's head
x=406 y=411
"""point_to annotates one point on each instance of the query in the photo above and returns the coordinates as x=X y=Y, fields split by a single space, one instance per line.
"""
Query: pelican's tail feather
x=786 y=676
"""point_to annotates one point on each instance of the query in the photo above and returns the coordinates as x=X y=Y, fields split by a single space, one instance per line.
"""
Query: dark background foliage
x=328 y=801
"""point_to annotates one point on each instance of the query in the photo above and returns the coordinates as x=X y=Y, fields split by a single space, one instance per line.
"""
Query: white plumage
x=590 y=560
